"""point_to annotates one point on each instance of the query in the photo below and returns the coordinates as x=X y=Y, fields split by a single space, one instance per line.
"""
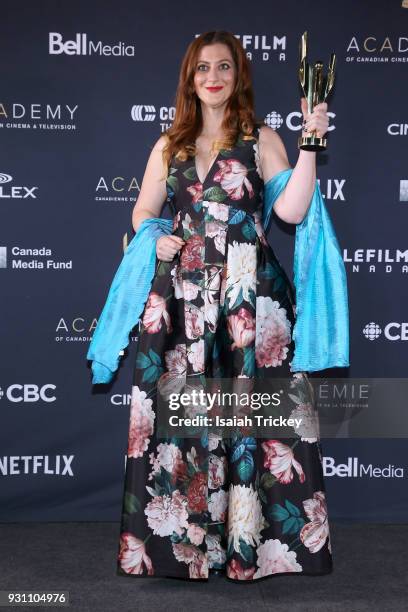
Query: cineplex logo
x=82 y=46
x=354 y=469
x=57 y=465
x=8 y=191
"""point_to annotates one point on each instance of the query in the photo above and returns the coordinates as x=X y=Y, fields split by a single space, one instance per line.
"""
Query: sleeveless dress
x=223 y=307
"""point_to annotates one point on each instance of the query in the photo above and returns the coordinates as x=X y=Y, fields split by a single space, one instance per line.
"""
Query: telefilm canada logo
x=376 y=260
x=263 y=47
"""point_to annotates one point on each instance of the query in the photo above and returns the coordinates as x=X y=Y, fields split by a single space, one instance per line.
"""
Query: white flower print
x=166 y=514
x=245 y=517
x=241 y=270
x=217 y=505
x=275 y=557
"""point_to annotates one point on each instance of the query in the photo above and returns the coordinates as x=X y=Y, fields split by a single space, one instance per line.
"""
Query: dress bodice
x=234 y=179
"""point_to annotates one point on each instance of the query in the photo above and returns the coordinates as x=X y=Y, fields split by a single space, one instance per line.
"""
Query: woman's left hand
x=317 y=121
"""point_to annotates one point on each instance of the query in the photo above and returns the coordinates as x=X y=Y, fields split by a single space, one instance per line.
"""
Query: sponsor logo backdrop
x=86 y=91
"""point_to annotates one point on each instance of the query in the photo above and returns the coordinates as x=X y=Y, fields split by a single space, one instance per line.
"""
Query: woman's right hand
x=168 y=246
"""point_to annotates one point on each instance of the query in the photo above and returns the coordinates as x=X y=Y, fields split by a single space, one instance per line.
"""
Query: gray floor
x=370 y=573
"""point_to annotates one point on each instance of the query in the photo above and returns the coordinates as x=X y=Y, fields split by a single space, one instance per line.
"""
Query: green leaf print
x=292 y=508
x=292 y=525
x=268 y=480
x=241 y=445
x=252 y=297
x=151 y=373
x=246 y=551
x=131 y=503
x=278 y=513
x=163 y=267
x=279 y=284
x=190 y=174
x=269 y=271
x=249 y=361
x=172 y=182
x=154 y=357
x=237 y=301
x=214 y=194
x=221 y=528
x=289 y=515
x=176 y=538
x=237 y=215
x=262 y=495
x=163 y=479
x=246 y=466
x=238 y=452
x=248 y=231
x=250 y=443
x=142 y=361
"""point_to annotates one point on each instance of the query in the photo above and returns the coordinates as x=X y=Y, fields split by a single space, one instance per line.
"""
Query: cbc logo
x=29 y=393
x=392 y=331
x=293 y=120
x=147 y=112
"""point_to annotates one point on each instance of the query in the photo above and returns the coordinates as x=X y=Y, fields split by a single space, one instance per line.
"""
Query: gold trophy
x=316 y=88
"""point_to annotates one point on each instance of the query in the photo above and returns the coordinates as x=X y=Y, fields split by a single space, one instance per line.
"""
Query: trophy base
x=312 y=143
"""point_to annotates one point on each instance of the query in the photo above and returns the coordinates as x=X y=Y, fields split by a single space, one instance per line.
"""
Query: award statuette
x=316 y=88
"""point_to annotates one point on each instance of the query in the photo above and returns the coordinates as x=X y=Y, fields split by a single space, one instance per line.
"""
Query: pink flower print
x=155 y=310
x=314 y=534
x=232 y=176
x=273 y=333
x=191 y=257
x=132 y=555
x=237 y=572
x=280 y=459
x=241 y=328
x=141 y=423
x=196 y=191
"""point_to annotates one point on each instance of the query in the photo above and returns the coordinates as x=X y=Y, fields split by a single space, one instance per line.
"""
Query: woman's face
x=214 y=69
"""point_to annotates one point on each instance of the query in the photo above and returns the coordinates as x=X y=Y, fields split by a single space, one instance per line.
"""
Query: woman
x=220 y=305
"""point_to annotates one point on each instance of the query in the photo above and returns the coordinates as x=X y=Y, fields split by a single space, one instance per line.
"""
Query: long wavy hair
x=239 y=115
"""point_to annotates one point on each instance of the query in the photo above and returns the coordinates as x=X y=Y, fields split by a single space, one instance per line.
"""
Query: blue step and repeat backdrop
x=86 y=90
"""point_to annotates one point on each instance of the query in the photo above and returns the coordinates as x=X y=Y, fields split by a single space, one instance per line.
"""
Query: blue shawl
x=321 y=330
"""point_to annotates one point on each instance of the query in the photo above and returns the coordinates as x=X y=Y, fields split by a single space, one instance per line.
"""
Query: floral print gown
x=223 y=307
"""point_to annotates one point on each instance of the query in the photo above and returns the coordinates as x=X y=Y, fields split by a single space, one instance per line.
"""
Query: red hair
x=239 y=116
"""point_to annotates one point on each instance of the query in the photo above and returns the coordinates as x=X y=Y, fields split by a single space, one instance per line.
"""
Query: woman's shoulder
x=161 y=142
x=267 y=136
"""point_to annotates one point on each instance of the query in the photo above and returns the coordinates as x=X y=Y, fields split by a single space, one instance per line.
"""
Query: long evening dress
x=223 y=307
